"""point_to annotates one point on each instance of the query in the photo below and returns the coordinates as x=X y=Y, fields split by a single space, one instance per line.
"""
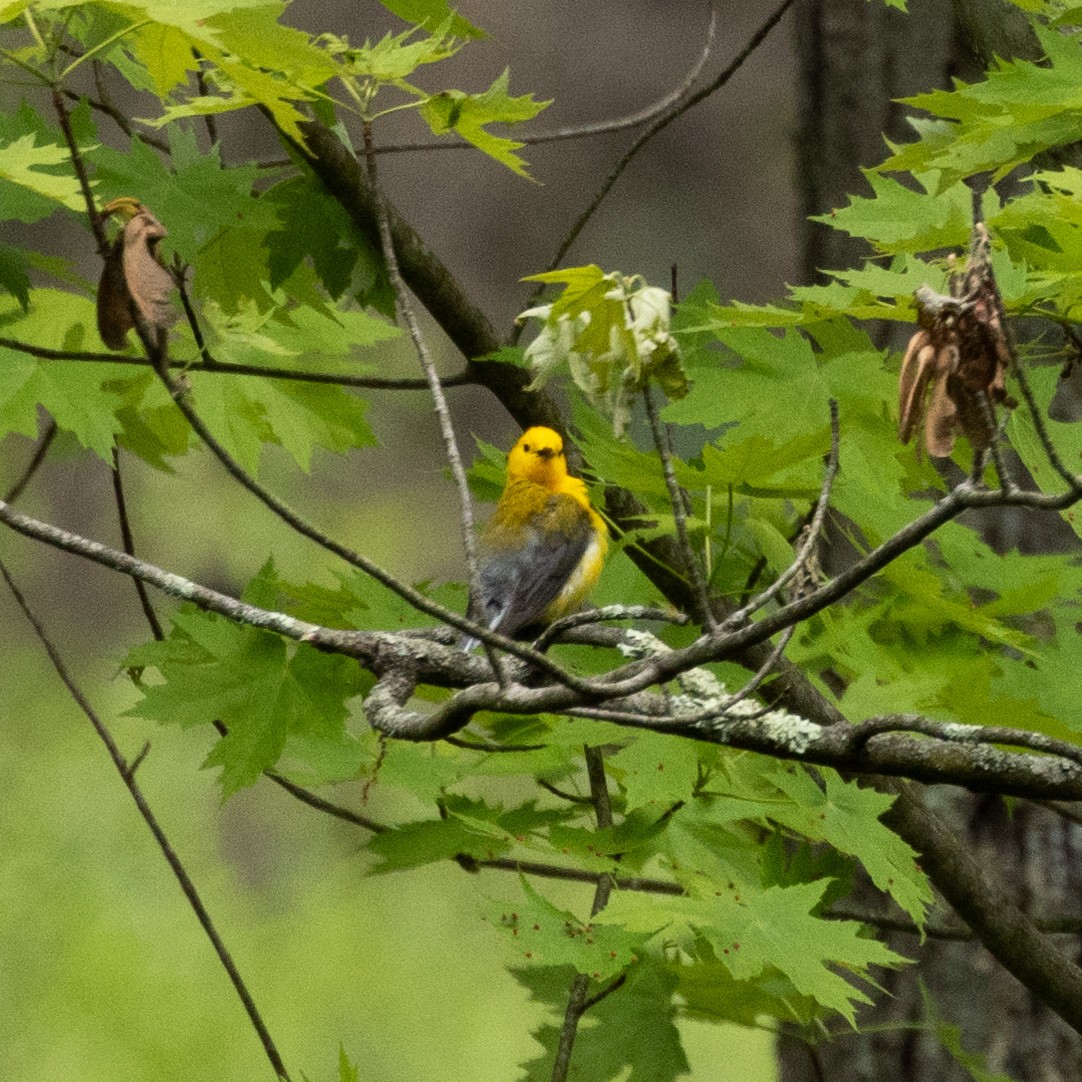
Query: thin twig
x=478 y=745
x=209 y=364
x=591 y=128
x=753 y=684
x=573 y=875
x=96 y=224
x=443 y=414
x=127 y=772
x=44 y=443
x=103 y=105
x=576 y=999
x=574 y=798
x=811 y=538
x=965 y=734
x=614 y=986
x=1038 y=422
x=1006 y=479
x=676 y=499
x=659 y=124
x=201 y=86
x=129 y=547
x=305 y=796
x=608 y=612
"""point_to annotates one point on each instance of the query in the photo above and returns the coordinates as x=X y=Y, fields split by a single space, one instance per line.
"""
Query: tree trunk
x=855 y=57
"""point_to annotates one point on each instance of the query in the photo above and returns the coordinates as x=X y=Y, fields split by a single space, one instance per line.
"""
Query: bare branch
x=447 y=430
x=609 y=612
x=317 y=802
x=677 y=499
x=96 y=224
x=659 y=124
x=129 y=547
x=952 y=754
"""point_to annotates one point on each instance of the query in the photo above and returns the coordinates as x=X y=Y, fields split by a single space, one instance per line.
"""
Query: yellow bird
x=542 y=550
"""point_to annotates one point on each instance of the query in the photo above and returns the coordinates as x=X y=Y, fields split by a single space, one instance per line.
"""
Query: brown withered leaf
x=958 y=359
x=134 y=285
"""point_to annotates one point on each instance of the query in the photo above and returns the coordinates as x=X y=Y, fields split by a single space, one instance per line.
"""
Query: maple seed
x=958 y=358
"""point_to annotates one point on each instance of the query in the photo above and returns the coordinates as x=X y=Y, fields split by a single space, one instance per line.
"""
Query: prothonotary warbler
x=542 y=550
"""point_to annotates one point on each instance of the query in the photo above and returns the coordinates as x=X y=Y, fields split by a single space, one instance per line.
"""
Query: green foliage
x=631 y=1029
x=726 y=864
x=468 y=115
x=263 y=691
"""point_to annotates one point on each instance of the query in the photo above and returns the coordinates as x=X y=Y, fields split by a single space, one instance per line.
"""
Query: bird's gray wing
x=518 y=583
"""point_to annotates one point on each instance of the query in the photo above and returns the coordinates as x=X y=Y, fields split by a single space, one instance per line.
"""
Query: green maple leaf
x=544 y=934
x=847 y=817
x=656 y=770
x=754 y=933
x=469 y=114
x=24 y=164
x=83 y=398
x=261 y=687
x=630 y=1034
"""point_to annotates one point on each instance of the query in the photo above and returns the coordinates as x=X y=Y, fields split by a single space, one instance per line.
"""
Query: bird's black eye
x=525 y=446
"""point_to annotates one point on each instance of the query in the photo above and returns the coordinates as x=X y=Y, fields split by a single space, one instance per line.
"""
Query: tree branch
x=209 y=364
x=45 y=441
x=577 y=1003
x=591 y=128
x=127 y=774
x=948 y=754
x=986 y=907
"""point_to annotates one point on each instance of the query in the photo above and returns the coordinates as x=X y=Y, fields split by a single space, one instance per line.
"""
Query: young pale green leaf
x=469 y=115
x=613 y=334
x=898 y=219
x=25 y=164
x=1020 y=110
x=395 y=56
x=432 y=13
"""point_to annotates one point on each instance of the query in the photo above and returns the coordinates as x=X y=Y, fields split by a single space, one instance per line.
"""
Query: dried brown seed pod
x=134 y=284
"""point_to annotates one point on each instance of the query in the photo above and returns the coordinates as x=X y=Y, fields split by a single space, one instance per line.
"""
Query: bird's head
x=539 y=457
